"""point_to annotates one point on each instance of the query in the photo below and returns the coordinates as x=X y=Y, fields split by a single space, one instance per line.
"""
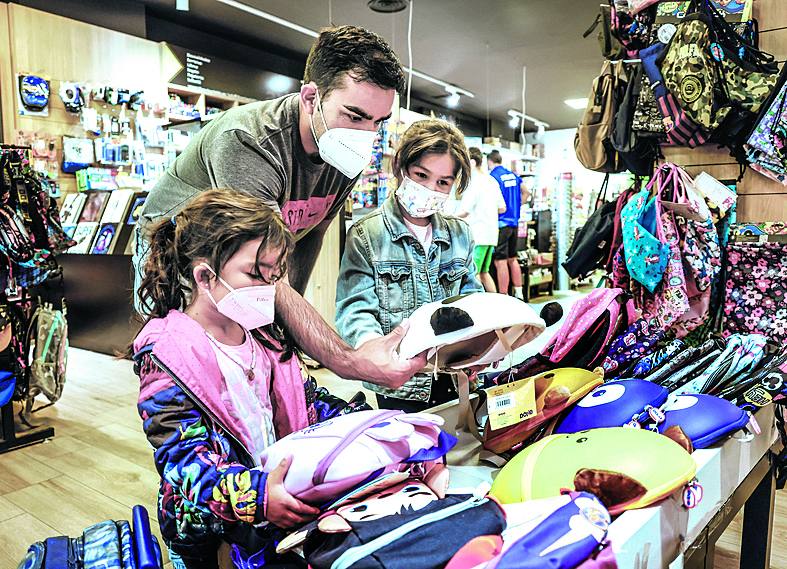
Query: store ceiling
x=449 y=40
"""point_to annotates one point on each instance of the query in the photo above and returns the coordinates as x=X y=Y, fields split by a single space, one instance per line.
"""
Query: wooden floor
x=99 y=465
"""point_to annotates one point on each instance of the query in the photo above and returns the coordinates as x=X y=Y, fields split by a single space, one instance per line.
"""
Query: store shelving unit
x=206 y=103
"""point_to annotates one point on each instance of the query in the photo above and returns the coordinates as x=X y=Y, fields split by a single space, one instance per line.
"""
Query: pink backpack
x=586 y=333
x=331 y=458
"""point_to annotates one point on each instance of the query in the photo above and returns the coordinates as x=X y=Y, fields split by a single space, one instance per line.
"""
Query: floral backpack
x=668 y=225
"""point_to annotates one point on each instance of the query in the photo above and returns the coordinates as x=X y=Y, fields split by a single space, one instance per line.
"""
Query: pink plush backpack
x=586 y=333
x=333 y=457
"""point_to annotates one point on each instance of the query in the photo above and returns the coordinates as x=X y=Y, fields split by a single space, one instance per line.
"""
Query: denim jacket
x=386 y=274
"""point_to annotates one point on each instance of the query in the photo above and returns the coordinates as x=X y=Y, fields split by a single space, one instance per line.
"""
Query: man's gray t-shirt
x=255 y=149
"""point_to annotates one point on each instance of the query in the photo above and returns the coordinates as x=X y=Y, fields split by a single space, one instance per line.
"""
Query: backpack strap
x=143 y=351
x=146 y=548
x=322 y=467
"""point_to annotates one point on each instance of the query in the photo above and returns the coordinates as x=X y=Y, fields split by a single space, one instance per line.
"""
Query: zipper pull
x=481 y=491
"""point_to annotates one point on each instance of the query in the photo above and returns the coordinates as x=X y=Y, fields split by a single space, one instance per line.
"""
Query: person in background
x=300 y=155
x=479 y=205
x=407 y=254
x=218 y=381
x=505 y=255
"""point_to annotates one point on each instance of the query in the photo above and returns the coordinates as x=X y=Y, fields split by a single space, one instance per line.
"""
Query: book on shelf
x=117 y=206
x=72 y=208
x=94 y=206
x=105 y=239
x=83 y=235
x=129 y=219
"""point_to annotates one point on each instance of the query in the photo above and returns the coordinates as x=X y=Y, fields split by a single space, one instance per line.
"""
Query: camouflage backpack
x=710 y=82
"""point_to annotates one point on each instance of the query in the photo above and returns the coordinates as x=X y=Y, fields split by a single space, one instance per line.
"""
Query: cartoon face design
x=409 y=495
x=772 y=382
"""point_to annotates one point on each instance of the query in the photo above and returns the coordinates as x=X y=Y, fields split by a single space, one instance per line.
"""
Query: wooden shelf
x=178 y=119
x=209 y=94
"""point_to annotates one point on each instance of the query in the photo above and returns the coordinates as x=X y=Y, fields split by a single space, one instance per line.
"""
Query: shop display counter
x=100 y=311
x=734 y=475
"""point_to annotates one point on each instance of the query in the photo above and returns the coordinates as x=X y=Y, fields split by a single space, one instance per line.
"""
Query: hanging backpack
x=637 y=154
x=12 y=357
x=48 y=342
x=717 y=89
x=633 y=30
x=610 y=47
x=593 y=141
x=590 y=247
x=14 y=238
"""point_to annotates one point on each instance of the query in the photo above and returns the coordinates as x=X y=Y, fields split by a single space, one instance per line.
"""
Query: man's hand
x=379 y=363
x=282 y=508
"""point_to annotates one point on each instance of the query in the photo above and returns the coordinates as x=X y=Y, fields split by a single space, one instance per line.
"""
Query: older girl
x=406 y=254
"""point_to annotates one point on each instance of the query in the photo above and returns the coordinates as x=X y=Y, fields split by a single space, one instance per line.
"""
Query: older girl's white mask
x=418 y=200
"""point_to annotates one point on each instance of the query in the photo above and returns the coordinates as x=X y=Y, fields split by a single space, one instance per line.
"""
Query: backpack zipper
x=355 y=554
x=199 y=404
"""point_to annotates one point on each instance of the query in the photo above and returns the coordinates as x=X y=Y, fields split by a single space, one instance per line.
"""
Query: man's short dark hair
x=362 y=54
x=476 y=155
x=495 y=158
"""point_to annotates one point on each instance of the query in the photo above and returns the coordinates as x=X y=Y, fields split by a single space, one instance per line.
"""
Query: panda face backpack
x=469 y=330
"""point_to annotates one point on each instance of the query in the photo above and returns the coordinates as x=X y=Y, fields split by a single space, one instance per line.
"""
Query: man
x=506 y=263
x=300 y=154
x=480 y=205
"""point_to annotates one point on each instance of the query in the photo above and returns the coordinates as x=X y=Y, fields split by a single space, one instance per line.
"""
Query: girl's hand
x=282 y=508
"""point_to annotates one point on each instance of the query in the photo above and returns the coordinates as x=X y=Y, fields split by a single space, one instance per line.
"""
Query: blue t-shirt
x=509 y=186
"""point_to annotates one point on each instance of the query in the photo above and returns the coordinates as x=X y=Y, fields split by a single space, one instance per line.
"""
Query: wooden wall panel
x=6 y=76
x=708 y=154
x=718 y=171
x=60 y=49
x=756 y=208
x=321 y=290
x=775 y=43
x=771 y=14
x=67 y=50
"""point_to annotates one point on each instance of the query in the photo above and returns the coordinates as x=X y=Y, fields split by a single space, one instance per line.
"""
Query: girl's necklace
x=248 y=371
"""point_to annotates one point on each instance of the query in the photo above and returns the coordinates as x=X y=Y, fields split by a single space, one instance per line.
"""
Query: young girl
x=213 y=394
x=406 y=254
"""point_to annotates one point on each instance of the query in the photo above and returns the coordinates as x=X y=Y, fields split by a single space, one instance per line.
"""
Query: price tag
x=511 y=403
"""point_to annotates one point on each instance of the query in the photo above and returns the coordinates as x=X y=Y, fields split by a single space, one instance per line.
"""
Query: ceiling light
x=577 y=103
x=517 y=115
x=306 y=31
x=182 y=5
x=270 y=17
x=453 y=97
x=513 y=122
x=279 y=83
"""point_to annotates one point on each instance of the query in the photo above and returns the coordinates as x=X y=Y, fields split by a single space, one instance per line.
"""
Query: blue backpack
x=106 y=545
